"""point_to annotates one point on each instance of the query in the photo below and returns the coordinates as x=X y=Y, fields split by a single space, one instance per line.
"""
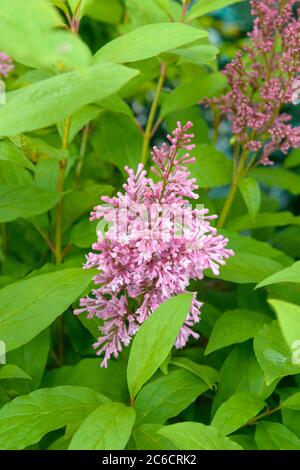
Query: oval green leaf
x=107 y=428
x=155 y=339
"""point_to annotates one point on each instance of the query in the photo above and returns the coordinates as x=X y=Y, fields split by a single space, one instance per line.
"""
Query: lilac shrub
x=261 y=80
x=155 y=244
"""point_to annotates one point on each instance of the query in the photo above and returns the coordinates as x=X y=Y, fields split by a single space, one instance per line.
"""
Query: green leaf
x=115 y=104
x=275 y=436
x=288 y=316
x=20 y=201
x=63 y=442
x=199 y=55
x=146 y=437
x=46 y=175
x=167 y=396
x=241 y=372
x=197 y=436
x=4 y=398
x=155 y=339
x=292 y=403
x=246 y=244
x=273 y=354
x=202 y=7
x=207 y=374
x=80 y=7
x=287 y=240
x=289 y=274
x=26 y=419
x=78 y=120
x=61 y=4
x=244 y=268
x=84 y=233
x=50 y=101
x=148 y=41
x=165 y=5
x=246 y=441
x=263 y=219
x=118 y=140
x=10 y=371
x=40 y=43
x=278 y=177
x=164 y=367
x=14 y=175
x=11 y=153
x=290 y=413
x=77 y=203
x=235 y=326
x=209 y=316
x=212 y=167
x=251 y=195
x=106 y=428
x=289 y=292
x=107 y=12
x=192 y=92
x=38 y=149
x=236 y=412
x=32 y=357
x=46 y=16
x=88 y=373
x=293 y=159
x=35 y=303
x=146 y=12
x=200 y=128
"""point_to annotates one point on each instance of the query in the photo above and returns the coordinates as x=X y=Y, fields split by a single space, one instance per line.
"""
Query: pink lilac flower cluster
x=155 y=243
x=6 y=64
x=265 y=81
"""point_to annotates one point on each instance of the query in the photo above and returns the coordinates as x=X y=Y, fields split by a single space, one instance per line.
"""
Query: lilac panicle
x=262 y=85
x=6 y=64
x=147 y=253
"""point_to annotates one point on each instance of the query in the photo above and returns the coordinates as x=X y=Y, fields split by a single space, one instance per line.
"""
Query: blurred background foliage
x=114 y=138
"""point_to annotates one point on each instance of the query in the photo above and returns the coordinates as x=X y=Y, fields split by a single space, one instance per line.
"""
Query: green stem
x=216 y=124
x=227 y=205
x=58 y=237
x=251 y=163
x=60 y=188
x=184 y=10
x=237 y=176
x=151 y=127
x=264 y=414
x=44 y=236
x=58 y=218
x=85 y=137
x=76 y=11
x=132 y=402
x=148 y=130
